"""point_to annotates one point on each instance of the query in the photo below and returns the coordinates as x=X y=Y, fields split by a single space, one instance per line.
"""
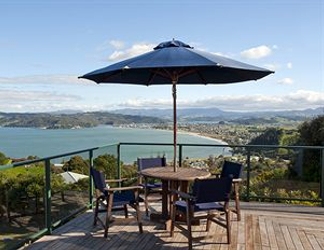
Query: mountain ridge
x=192 y=113
x=78 y=119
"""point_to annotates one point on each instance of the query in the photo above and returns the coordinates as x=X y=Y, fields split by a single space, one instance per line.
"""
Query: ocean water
x=23 y=142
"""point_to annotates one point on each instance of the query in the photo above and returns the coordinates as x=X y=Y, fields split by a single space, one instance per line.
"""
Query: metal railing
x=247 y=154
x=50 y=221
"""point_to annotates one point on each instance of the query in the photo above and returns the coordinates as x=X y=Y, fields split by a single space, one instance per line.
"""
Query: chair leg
x=189 y=216
x=146 y=203
x=136 y=206
x=228 y=225
x=126 y=211
x=173 y=216
x=96 y=213
x=146 y=191
x=138 y=217
x=108 y=215
x=237 y=201
x=208 y=223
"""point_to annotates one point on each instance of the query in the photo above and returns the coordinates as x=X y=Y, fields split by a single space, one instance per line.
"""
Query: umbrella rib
x=173 y=62
x=175 y=75
x=165 y=73
x=201 y=77
x=191 y=71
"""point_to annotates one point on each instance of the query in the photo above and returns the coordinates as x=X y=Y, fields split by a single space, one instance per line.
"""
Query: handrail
x=49 y=225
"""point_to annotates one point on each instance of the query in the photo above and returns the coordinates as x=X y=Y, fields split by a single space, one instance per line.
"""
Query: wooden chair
x=150 y=186
x=110 y=199
x=208 y=200
x=234 y=169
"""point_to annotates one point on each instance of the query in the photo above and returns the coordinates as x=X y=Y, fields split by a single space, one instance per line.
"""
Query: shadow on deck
x=263 y=226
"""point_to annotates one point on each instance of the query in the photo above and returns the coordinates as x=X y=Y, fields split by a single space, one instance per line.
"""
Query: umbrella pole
x=174 y=93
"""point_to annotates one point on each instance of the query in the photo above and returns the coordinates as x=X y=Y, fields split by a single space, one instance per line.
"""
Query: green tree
x=271 y=136
x=4 y=159
x=312 y=134
x=108 y=164
x=76 y=164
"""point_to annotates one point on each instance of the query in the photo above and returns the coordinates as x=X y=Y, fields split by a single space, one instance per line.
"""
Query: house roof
x=71 y=177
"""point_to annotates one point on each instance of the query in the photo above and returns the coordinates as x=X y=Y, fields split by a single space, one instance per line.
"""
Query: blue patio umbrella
x=174 y=62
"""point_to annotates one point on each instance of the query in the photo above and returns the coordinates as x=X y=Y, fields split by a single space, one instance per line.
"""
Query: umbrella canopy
x=174 y=62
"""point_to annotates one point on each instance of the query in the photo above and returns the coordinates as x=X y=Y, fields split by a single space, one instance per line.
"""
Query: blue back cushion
x=212 y=190
x=144 y=163
x=232 y=168
x=98 y=179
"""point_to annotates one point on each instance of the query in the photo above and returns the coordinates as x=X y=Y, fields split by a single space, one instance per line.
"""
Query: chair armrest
x=111 y=190
x=182 y=195
x=115 y=180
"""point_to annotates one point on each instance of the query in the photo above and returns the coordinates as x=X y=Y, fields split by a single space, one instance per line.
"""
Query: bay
x=23 y=142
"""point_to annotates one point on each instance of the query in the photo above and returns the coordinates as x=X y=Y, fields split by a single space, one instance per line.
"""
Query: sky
x=45 y=45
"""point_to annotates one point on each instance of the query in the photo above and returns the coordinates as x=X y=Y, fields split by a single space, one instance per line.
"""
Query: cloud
x=29 y=101
x=286 y=81
x=257 y=52
x=272 y=67
x=141 y=103
x=134 y=50
x=106 y=45
x=43 y=79
x=289 y=65
x=117 y=44
x=300 y=99
x=307 y=96
x=17 y=100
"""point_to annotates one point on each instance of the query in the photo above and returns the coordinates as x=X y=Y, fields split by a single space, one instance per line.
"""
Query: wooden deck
x=263 y=226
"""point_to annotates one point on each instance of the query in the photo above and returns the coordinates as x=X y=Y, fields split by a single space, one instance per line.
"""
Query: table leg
x=237 y=201
x=165 y=199
x=163 y=217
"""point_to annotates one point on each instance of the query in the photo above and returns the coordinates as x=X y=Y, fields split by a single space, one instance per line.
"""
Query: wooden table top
x=182 y=174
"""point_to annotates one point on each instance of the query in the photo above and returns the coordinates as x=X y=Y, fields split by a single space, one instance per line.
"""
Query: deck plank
x=304 y=239
x=249 y=232
x=279 y=235
x=286 y=234
x=264 y=233
x=257 y=230
x=256 y=233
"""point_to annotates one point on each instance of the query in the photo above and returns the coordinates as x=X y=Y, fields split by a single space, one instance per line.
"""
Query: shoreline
x=205 y=136
x=24 y=142
x=200 y=135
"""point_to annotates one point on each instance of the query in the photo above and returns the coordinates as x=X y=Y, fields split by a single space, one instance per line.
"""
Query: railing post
x=322 y=177
x=90 y=179
x=180 y=155
x=248 y=162
x=48 y=196
x=118 y=164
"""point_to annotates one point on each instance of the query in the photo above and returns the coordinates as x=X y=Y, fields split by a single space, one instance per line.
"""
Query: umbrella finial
x=172 y=43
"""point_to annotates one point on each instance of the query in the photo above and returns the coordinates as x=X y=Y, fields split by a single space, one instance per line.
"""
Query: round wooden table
x=182 y=174
x=172 y=180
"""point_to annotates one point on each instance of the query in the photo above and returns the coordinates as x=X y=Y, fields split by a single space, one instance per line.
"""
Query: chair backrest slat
x=144 y=163
x=212 y=190
x=232 y=168
x=98 y=179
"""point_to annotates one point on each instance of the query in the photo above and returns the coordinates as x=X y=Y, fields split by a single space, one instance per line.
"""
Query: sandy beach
x=205 y=136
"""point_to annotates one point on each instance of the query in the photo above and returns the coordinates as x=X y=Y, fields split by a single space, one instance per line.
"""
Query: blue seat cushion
x=182 y=206
x=151 y=185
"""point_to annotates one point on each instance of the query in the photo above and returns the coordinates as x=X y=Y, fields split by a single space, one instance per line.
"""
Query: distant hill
x=214 y=114
x=73 y=120
x=77 y=119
